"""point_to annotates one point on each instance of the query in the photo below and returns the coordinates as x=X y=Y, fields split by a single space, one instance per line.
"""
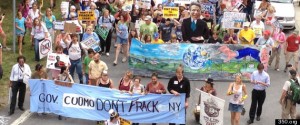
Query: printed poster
x=103 y=32
x=64 y=8
x=45 y=47
x=212 y=109
x=58 y=25
x=144 y=3
x=171 y=12
x=56 y=61
x=86 y=15
x=91 y=43
x=233 y=20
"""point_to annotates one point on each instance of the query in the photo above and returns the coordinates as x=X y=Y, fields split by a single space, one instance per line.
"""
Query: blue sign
x=93 y=103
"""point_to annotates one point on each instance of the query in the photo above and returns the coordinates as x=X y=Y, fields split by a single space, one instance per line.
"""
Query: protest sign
x=233 y=20
x=212 y=109
x=72 y=26
x=171 y=12
x=56 y=61
x=182 y=1
x=239 y=6
x=58 y=25
x=103 y=32
x=208 y=7
x=86 y=15
x=144 y=3
x=64 y=8
x=91 y=43
x=200 y=61
x=45 y=47
x=124 y=122
x=87 y=102
x=128 y=5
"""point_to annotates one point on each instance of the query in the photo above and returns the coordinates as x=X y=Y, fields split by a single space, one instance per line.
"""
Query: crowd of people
x=194 y=25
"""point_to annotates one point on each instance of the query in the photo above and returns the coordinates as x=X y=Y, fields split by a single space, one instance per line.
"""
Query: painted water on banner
x=200 y=61
x=89 y=102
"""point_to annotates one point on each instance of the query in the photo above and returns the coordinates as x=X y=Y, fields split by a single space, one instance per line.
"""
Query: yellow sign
x=86 y=15
x=124 y=122
x=171 y=12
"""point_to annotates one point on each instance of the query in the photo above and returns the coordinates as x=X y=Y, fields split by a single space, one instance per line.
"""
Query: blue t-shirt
x=21 y=24
x=49 y=22
x=123 y=27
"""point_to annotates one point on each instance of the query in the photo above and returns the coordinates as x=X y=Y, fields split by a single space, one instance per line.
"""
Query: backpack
x=109 y=17
x=294 y=92
x=81 y=49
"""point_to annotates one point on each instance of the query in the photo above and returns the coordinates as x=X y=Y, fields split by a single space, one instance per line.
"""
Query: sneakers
x=6 y=48
x=107 y=54
x=124 y=59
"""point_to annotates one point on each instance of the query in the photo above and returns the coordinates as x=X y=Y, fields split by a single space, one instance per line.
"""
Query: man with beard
x=96 y=67
x=194 y=29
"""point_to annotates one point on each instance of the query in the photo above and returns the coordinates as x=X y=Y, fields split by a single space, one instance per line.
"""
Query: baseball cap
x=247 y=24
x=148 y=18
x=155 y=35
x=267 y=32
x=104 y=72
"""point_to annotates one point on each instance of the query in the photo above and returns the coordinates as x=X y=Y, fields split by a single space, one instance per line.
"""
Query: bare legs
x=125 y=49
x=20 y=38
x=235 y=118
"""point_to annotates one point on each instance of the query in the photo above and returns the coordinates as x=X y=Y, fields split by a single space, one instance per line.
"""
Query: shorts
x=20 y=34
x=121 y=41
x=235 y=108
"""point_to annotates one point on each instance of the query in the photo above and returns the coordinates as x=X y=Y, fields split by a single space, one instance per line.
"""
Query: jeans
x=37 y=49
x=76 y=64
x=86 y=78
x=16 y=87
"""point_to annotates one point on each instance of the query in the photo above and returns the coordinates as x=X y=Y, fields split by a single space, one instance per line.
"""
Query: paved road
x=271 y=108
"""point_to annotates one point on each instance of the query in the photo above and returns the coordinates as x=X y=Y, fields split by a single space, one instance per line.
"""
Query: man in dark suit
x=194 y=29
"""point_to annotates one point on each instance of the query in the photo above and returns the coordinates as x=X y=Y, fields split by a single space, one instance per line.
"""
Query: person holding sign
x=194 y=29
x=180 y=84
x=90 y=33
x=106 y=21
x=39 y=32
x=247 y=35
x=258 y=27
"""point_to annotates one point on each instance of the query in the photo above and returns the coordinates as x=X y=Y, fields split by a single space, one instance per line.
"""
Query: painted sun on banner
x=200 y=61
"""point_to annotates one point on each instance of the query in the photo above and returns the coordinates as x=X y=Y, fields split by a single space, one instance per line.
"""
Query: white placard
x=45 y=47
x=56 y=61
x=64 y=9
x=58 y=25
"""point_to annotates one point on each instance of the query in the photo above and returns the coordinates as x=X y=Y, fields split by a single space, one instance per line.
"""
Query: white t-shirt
x=33 y=14
x=38 y=32
x=258 y=28
x=286 y=85
x=75 y=51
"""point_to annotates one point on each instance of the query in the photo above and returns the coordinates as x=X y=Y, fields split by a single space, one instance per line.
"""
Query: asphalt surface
x=271 y=107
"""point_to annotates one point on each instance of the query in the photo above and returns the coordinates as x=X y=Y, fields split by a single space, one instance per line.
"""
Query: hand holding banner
x=103 y=32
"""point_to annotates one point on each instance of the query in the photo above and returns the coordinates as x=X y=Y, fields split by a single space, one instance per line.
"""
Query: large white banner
x=212 y=109
x=45 y=47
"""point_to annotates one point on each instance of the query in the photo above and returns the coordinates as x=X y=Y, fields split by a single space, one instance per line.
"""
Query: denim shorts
x=235 y=107
x=20 y=34
x=121 y=41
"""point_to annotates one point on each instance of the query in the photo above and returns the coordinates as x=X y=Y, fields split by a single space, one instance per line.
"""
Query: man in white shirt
x=258 y=27
x=19 y=73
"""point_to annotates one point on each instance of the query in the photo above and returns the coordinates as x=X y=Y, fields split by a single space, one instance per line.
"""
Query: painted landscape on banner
x=200 y=61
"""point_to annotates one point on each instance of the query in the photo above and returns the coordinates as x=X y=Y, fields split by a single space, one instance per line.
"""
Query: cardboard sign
x=124 y=122
x=64 y=8
x=233 y=20
x=86 y=15
x=56 y=61
x=45 y=47
x=171 y=12
x=70 y=27
x=103 y=32
x=78 y=26
x=91 y=43
x=58 y=25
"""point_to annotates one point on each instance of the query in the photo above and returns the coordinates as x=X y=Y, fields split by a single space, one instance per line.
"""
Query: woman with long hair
x=125 y=82
x=39 y=32
x=122 y=37
x=20 y=30
x=239 y=92
x=49 y=18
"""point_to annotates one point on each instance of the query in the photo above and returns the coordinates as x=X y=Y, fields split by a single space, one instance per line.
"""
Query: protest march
x=78 y=46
